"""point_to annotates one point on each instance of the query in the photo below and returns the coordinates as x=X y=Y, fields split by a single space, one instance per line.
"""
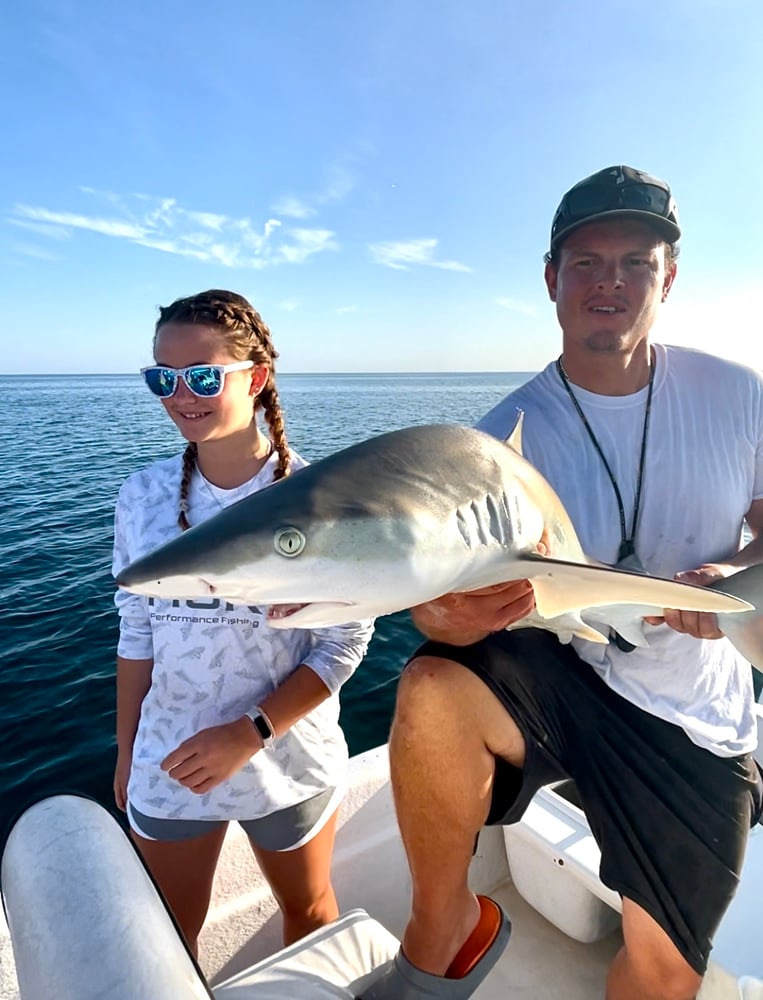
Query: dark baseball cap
x=617 y=192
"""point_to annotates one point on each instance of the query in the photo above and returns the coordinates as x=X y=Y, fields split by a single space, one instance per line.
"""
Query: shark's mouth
x=276 y=612
x=311 y=614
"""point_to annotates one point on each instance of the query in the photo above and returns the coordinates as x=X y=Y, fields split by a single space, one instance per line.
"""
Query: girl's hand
x=121 y=777
x=213 y=755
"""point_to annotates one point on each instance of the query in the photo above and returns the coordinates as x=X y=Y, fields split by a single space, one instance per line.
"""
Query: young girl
x=218 y=716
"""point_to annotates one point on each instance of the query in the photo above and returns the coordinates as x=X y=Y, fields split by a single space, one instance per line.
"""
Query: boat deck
x=370 y=872
x=541 y=961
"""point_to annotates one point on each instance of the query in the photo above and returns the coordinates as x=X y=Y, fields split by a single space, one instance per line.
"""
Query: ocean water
x=67 y=442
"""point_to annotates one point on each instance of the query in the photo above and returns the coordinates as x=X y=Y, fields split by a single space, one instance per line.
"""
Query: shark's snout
x=167 y=586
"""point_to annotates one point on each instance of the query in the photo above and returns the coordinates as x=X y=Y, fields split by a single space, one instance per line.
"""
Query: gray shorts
x=285 y=830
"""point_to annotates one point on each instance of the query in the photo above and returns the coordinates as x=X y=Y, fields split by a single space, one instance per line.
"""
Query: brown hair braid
x=189 y=464
x=247 y=337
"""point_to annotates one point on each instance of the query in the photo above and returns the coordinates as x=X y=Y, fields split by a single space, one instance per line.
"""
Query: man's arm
x=752 y=553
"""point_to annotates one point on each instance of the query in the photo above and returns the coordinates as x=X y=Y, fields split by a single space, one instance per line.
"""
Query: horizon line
x=412 y=371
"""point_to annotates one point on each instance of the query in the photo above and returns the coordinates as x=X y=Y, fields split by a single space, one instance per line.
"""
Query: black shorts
x=671 y=818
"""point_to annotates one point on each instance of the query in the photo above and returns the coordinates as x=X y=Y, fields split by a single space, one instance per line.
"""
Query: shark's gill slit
x=463 y=528
x=499 y=522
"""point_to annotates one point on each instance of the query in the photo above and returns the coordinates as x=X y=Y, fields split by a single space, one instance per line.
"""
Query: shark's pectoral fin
x=626 y=619
x=561 y=587
x=565 y=627
x=573 y=625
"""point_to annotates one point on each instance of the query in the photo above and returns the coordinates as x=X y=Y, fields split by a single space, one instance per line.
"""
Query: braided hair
x=248 y=338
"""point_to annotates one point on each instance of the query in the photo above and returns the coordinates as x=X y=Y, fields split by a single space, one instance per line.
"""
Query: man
x=657 y=454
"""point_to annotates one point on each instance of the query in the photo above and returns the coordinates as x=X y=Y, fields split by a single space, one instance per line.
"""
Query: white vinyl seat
x=86 y=922
x=333 y=963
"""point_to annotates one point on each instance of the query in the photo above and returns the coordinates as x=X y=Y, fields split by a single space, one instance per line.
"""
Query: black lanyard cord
x=627 y=546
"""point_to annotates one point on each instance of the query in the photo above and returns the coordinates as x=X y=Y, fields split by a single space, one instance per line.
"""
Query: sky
x=378 y=179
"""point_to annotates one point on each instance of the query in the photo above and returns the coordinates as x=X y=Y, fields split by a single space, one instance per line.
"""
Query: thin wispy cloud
x=513 y=305
x=342 y=310
x=338 y=185
x=403 y=255
x=70 y=220
x=305 y=243
x=36 y=253
x=208 y=219
x=289 y=305
x=293 y=208
x=162 y=224
x=41 y=229
x=110 y=196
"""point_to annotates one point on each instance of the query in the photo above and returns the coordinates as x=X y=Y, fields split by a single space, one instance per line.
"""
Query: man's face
x=608 y=284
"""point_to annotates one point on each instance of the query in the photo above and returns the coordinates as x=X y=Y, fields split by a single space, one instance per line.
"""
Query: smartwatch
x=263 y=725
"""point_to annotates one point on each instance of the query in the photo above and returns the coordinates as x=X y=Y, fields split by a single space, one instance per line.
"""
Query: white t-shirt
x=213 y=661
x=703 y=469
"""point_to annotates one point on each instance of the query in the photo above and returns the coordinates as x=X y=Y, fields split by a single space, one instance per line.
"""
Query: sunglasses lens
x=204 y=380
x=161 y=381
x=646 y=198
x=588 y=201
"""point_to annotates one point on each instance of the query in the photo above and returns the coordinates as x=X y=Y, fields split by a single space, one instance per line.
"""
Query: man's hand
x=700 y=624
x=461 y=619
x=213 y=755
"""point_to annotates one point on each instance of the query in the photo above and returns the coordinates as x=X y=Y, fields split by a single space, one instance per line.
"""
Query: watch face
x=262 y=727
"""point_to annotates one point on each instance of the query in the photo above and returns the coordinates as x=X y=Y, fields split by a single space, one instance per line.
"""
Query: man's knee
x=653 y=960
x=429 y=677
x=435 y=694
x=427 y=693
x=667 y=980
x=445 y=704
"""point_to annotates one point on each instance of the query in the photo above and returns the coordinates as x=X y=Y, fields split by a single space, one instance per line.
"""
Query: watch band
x=263 y=725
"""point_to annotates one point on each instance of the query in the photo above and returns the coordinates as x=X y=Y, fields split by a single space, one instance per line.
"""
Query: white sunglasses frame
x=234 y=366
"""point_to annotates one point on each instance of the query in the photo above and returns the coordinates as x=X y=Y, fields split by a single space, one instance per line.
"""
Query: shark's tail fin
x=745 y=629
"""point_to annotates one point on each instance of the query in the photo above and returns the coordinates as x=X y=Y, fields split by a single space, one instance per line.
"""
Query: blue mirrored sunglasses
x=202 y=380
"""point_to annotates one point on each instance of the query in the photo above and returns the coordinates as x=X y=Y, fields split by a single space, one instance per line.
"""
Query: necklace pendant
x=621 y=643
x=627 y=548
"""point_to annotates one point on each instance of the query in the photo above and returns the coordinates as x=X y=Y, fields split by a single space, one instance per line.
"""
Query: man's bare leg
x=447 y=730
x=649 y=966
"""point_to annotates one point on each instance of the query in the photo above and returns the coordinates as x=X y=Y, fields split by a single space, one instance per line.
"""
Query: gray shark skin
x=403 y=518
x=745 y=629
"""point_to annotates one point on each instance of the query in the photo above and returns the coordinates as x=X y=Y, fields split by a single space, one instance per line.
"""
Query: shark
x=407 y=516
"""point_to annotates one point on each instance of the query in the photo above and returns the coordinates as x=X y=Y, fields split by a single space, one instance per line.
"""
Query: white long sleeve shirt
x=213 y=661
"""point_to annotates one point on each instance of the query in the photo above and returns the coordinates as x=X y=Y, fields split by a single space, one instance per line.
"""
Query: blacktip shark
x=410 y=515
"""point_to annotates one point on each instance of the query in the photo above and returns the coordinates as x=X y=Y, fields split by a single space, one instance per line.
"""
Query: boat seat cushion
x=333 y=963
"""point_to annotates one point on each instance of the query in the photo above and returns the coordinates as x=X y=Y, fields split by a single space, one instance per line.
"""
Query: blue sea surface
x=67 y=443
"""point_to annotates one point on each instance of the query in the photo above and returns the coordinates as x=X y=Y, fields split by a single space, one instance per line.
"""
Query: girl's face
x=200 y=419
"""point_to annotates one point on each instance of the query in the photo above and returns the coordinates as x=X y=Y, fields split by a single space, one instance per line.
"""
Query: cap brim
x=669 y=230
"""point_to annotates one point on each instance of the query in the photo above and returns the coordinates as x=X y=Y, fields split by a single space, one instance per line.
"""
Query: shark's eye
x=289 y=541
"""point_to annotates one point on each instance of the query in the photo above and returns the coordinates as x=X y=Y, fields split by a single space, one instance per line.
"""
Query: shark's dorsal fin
x=514 y=440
